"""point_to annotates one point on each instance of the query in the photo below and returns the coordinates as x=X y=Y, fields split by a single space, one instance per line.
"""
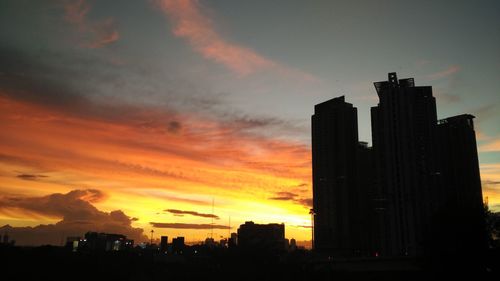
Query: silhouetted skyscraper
x=335 y=196
x=417 y=187
x=461 y=195
x=403 y=131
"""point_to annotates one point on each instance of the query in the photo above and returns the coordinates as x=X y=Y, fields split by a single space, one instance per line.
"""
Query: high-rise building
x=403 y=132
x=233 y=240
x=334 y=141
x=416 y=192
x=460 y=192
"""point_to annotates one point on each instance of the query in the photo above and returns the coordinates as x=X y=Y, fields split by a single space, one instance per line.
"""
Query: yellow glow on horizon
x=145 y=170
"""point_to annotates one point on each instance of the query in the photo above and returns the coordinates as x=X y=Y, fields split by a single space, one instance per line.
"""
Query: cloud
x=486 y=111
x=307 y=202
x=76 y=211
x=174 y=127
x=97 y=33
x=302 y=226
x=188 y=226
x=488 y=182
x=284 y=196
x=490 y=175
x=32 y=177
x=444 y=73
x=289 y=196
x=446 y=97
x=190 y=23
x=491 y=146
x=56 y=124
x=180 y=212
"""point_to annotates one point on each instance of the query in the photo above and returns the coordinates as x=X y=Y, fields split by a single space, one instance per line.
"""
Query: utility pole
x=312 y=213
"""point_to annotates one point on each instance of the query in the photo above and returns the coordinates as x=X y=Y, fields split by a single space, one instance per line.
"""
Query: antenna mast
x=212 y=225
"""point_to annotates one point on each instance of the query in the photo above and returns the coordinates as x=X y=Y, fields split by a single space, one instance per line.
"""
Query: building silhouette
x=163 y=244
x=391 y=199
x=5 y=238
x=461 y=197
x=178 y=245
x=403 y=132
x=99 y=242
x=337 y=194
x=261 y=237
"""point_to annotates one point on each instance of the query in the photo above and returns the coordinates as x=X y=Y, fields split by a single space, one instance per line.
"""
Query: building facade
x=391 y=199
x=261 y=237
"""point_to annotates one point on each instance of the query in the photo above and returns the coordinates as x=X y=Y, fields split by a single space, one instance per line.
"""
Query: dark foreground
x=56 y=263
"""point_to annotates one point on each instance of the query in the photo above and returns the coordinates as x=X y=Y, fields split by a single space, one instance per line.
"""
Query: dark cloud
x=284 y=196
x=181 y=199
x=303 y=226
x=192 y=213
x=174 y=127
x=489 y=182
x=188 y=225
x=83 y=86
x=77 y=213
x=32 y=177
x=290 y=196
x=307 y=202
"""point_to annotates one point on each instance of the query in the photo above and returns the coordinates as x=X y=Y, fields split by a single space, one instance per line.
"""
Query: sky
x=180 y=116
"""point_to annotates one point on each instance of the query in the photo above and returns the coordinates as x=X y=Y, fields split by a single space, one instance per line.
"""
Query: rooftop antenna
x=152 y=231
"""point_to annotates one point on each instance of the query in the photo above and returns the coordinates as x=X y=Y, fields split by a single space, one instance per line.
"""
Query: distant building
x=210 y=242
x=223 y=243
x=73 y=242
x=178 y=245
x=262 y=237
x=5 y=239
x=233 y=241
x=163 y=244
x=293 y=245
x=95 y=241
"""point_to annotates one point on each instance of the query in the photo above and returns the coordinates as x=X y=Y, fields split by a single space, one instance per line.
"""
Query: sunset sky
x=128 y=116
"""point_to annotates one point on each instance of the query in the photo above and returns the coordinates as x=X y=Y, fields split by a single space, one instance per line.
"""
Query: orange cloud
x=490 y=176
x=77 y=213
x=191 y=24
x=98 y=33
x=490 y=146
x=177 y=161
x=444 y=73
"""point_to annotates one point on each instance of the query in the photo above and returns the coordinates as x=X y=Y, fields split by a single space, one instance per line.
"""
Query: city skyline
x=169 y=115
